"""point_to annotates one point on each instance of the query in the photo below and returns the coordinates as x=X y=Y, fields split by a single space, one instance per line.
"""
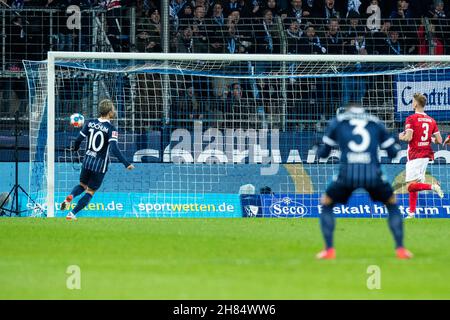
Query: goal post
x=149 y=86
x=51 y=134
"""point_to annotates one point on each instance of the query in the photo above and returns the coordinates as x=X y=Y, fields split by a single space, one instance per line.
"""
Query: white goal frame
x=53 y=56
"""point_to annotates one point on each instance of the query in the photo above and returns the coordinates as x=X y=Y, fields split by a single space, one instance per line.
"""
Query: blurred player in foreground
x=358 y=135
x=420 y=131
x=102 y=139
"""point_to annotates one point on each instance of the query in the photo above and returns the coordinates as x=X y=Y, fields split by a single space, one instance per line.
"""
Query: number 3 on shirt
x=426 y=131
x=360 y=130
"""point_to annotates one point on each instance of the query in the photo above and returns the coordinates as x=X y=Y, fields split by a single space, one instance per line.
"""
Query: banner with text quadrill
x=359 y=206
x=436 y=87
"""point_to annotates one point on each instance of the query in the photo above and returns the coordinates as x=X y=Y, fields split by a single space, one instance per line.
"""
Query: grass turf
x=218 y=259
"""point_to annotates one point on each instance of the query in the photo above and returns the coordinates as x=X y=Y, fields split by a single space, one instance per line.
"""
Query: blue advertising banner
x=359 y=206
x=434 y=85
x=142 y=205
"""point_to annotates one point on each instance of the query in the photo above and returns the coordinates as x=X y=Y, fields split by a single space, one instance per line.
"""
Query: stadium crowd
x=309 y=27
x=239 y=26
x=227 y=26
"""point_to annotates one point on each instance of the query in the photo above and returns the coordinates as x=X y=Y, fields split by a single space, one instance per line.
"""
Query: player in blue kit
x=102 y=140
x=358 y=135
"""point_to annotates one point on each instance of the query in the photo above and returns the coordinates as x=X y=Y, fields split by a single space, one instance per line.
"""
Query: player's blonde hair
x=421 y=99
x=104 y=107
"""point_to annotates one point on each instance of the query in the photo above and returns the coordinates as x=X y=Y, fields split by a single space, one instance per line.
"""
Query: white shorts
x=415 y=169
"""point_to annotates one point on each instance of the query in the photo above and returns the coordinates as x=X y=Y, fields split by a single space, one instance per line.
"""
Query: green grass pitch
x=219 y=259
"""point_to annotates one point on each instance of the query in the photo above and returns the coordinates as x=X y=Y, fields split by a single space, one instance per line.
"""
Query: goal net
x=201 y=129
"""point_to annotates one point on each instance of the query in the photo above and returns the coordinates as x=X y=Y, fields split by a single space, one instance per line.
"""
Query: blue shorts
x=340 y=192
x=91 y=178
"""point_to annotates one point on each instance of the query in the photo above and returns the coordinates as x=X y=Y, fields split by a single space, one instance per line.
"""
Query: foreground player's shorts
x=92 y=179
x=340 y=192
x=415 y=169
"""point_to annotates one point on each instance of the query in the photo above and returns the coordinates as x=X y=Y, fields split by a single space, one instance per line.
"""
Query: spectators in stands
x=149 y=33
x=232 y=5
x=117 y=35
x=333 y=37
x=432 y=45
x=256 y=8
x=247 y=26
x=246 y=8
x=328 y=11
x=16 y=4
x=378 y=39
x=441 y=21
x=393 y=44
x=296 y=11
x=272 y=5
x=311 y=44
x=373 y=12
x=232 y=39
x=185 y=43
x=294 y=36
x=200 y=30
x=217 y=15
x=311 y=6
x=146 y=5
x=235 y=102
x=354 y=35
x=437 y=10
x=175 y=10
x=238 y=40
x=402 y=11
x=65 y=36
x=239 y=110
x=186 y=16
x=202 y=3
x=353 y=6
x=417 y=8
x=176 y=7
x=213 y=33
x=267 y=35
x=218 y=30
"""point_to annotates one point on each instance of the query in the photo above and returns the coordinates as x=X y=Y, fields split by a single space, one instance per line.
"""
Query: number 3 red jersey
x=423 y=127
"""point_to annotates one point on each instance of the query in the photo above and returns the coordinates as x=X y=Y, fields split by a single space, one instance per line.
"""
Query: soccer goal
x=201 y=128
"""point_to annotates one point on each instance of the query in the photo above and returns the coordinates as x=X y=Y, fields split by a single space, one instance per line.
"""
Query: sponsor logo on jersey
x=98 y=126
x=288 y=207
x=424 y=119
x=91 y=153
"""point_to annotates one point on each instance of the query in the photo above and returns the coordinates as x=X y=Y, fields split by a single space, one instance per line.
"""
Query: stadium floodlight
x=212 y=116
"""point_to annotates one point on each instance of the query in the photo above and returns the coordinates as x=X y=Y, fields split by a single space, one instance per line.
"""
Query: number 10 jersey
x=99 y=133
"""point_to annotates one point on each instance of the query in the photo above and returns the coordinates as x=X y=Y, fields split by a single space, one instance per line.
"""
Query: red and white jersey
x=423 y=127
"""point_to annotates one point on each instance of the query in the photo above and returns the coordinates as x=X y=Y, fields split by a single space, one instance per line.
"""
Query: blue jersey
x=358 y=135
x=102 y=138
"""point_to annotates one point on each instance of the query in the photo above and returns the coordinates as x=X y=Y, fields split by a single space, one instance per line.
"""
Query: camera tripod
x=14 y=193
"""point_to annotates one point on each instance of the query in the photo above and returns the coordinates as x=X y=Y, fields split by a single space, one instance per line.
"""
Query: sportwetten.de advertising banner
x=142 y=205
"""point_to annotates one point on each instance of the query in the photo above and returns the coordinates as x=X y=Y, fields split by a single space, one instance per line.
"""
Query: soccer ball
x=77 y=120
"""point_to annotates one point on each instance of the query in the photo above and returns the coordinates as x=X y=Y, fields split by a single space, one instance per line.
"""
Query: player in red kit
x=420 y=131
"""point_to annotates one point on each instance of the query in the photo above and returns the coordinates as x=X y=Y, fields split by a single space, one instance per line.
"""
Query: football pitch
x=219 y=259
